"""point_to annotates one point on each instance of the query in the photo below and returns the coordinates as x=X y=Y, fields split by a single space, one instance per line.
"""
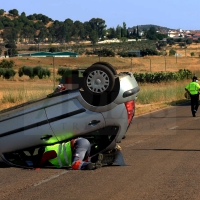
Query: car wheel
x=98 y=79
x=111 y=68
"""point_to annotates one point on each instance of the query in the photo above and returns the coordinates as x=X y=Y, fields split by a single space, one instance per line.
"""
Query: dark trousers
x=194 y=102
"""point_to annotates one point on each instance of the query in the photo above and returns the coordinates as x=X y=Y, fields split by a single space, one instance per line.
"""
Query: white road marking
x=130 y=145
x=174 y=127
x=197 y=118
x=50 y=178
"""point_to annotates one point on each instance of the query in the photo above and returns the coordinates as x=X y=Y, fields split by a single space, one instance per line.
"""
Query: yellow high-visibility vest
x=64 y=154
x=193 y=88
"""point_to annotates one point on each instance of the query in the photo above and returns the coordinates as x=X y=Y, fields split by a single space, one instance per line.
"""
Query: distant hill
x=147 y=26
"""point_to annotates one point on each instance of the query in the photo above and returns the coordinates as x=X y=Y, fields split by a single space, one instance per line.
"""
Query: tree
x=12 y=48
x=111 y=33
x=118 y=31
x=161 y=36
x=1 y=25
x=98 y=25
x=66 y=30
x=14 y=12
x=93 y=37
x=170 y=41
x=161 y=44
x=78 y=30
x=87 y=28
x=23 y=14
x=1 y=12
x=189 y=41
x=31 y=17
x=28 y=32
x=10 y=34
x=151 y=34
x=42 y=34
x=182 y=44
x=124 y=31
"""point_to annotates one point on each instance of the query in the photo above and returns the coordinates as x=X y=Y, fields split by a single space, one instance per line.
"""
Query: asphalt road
x=162 y=153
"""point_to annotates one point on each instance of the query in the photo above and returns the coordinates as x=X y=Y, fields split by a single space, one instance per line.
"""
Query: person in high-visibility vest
x=74 y=154
x=193 y=89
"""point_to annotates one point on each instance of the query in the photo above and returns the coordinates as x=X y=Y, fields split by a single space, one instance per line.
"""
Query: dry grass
x=36 y=88
x=156 y=96
x=16 y=92
x=143 y=64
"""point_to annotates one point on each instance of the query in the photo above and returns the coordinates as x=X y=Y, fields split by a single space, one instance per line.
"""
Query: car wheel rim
x=97 y=81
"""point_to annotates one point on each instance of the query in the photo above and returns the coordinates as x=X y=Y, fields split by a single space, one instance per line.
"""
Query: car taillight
x=130 y=107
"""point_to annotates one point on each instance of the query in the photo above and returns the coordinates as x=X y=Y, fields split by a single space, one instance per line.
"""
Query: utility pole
x=53 y=75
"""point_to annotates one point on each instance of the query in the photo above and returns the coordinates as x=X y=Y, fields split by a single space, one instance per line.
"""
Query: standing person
x=193 y=89
x=74 y=153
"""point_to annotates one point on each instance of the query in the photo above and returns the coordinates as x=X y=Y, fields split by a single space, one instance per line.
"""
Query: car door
x=70 y=119
x=25 y=130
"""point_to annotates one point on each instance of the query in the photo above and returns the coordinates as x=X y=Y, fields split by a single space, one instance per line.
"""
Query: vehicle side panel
x=25 y=131
x=117 y=117
x=77 y=120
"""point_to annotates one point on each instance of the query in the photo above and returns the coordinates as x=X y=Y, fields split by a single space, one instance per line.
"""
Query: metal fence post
x=150 y=64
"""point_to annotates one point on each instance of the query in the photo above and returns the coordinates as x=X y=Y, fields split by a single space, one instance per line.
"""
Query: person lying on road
x=75 y=154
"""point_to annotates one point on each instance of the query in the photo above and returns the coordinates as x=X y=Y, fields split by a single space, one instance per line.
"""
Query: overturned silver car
x=96 y=103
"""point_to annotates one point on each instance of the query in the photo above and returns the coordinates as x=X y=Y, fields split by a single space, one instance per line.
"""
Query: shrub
x=34 y=71
x=62 y=71
x=127 y=54
x=2 y=71
x=192 y=54
x=9 y=73
x=158 y=77
x=172 y=52
x=148 y=51
x=6 y=64
x=28 y=71
x=106 y=53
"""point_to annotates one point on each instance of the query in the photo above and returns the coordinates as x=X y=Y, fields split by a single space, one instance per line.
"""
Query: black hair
x=194 y=78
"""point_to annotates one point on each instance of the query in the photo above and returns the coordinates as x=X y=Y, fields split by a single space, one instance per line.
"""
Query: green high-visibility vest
x=193 y=88
x=64 y=154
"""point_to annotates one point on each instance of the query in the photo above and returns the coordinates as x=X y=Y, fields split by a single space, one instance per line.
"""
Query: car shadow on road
x=3 y=165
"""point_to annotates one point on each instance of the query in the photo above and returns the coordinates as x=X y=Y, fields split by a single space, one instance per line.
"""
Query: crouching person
x=75 y=154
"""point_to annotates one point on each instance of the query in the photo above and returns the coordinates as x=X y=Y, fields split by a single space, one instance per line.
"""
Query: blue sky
x=174 y=14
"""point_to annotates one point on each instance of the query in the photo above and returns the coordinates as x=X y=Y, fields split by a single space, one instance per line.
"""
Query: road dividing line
x=50 y=178
x=174 y=127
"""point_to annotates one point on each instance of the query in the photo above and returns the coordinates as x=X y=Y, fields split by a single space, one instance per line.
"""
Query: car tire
x=107 y=65
x=98 y=79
